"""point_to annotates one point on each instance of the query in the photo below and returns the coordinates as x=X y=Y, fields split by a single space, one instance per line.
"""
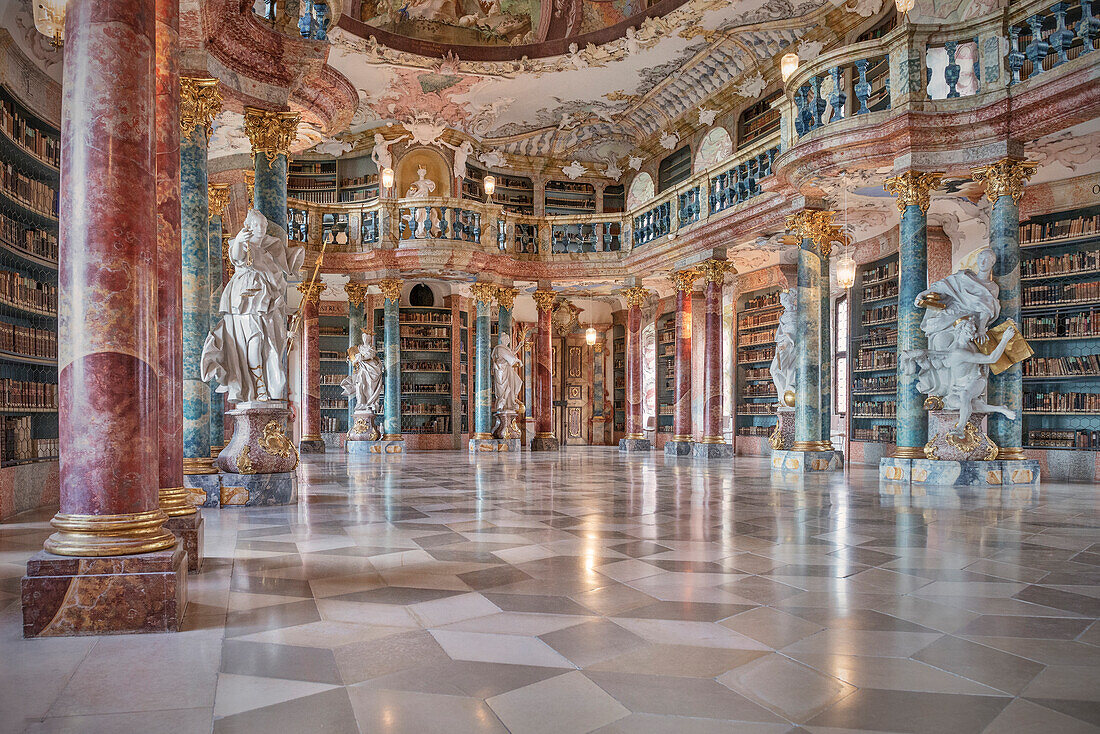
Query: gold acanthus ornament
x=817 y=226
x=634 y=295
x=312 y=291
x=914 y=187
x=484 y=293
x=218 y=196
x=275 y=442
x=544 y=300
x=714 y=271
x=684 y=280
x=506 y=297
x=357 y=292
x=200 y=103
x=1005 y=178
x=244 y=461
x=271 y=133
x=230 y=268
x=391 y=289
x=250 y=183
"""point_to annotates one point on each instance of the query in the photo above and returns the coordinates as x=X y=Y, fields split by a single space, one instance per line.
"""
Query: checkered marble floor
x=591 y=592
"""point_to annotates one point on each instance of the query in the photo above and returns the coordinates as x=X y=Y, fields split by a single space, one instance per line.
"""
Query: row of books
x=17 y=441
x=572 y=186
x=372 y=179
x=1085 y=365
x=755 y=408
x=315 y=197
x=26 y=292
x=882 y=272
x=22 y=395
x=34 y=195
x=314 y=167
x=758 y=373
x=877 y=360
x=28 y=341
x=881 y=337
x=889 y=312
x=39 y=143
x=757 y=355
x=1068 y=263
x=880 y=383
x=1073 y=227
x=33 y=241
x=771 y=299
x=426 y=331
x=1062 y=402
x=333 y=379
x=878 y=409
x=755 y=431
x=1079 y=325
x=759 y=320
x=759 y=390
x=298 y=184
x=875 y=434
x=330 y=424
x=430 y=345
x=332 y=331
x=421 y=366
x=880 y=291
x=333 y=404
x=440 y=388
x=756 y=337
x=408 y=408
x=1061 y=294
x=440 y=425
x=417 y=317
x=1064 y=439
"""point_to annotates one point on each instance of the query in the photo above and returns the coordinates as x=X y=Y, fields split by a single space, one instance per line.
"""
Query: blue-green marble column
x=270 y=194
x=484 y=294
x=391 y=401
x=217 y=400
x=356 y=322
x=807 y=415
x=826 y=345
x=506 y=298
x=195 y=236
x=1004 y=183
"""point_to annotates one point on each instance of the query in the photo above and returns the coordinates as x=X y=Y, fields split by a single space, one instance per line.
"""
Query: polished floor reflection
x=586 y=592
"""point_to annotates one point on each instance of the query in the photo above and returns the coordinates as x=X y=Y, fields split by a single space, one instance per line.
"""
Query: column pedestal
x=189 y=530
x=679 y=446
x=717 y=450
x=546 y=443
x=257 y=466
x=804 y=462
x=64 y=596
x=381 y=446
x=629 y=444
x=311 y=445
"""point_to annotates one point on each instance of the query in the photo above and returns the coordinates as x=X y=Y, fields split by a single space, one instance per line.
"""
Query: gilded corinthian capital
x=312 y=291
x=271 y=133
x=357 y=292
x=544 y=300
x=484 y=293
x=816 y=226
x=200 y=103
x=391 y=289
x=684 y=280
x=634 y=296
x=218 y=196
x=914 y=187
x=1005 y=178
x=506 y=297
x=714 y=271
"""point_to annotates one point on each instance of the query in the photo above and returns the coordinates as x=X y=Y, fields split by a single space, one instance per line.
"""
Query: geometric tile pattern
x=591 y=592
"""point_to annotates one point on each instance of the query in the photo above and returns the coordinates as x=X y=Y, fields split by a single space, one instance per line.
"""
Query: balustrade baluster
x=800 y=111
x=1016 y=58
x=1088 y=27
x=1061 y=37
x=818 y=105
x=952 y=71
x=837 y=98
x=1038 y=49
x=862 y=87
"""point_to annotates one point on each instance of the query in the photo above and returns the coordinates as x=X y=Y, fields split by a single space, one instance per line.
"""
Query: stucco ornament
x=574 y=170
x=381 y=154
x=809 y=50
x=425 y=132
x=462 y=152
x=954 y=370
x=706 y=117
x=246 y=350
x=365 y=381
x=752 y=87
x=612 y=170
x=783 y=363
x=635 y=162
x=494 y=159
x=333 y=147
x=669 y=140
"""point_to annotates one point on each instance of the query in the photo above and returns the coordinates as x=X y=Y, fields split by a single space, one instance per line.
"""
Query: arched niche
x=436 y=166
x=715 y=147
x=641 y=190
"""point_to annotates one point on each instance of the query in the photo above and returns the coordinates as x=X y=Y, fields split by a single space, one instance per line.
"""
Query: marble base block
x=959 y=473
x=363 y=448
x=313 y=446
x=205 y=489
x=805 y=462
x=549 y=443
x=188 y=528
x=258 y=490
x=260 y=444
x=944 y=445
x=494 y=445
x=69 y=597
x=782 y=438
x=630 y=445
x=363 y=426
x=678 y=448
x=712 y=451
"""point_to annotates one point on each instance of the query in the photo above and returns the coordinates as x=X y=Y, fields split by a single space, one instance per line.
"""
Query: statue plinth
x=363 y=426
x=946 y=443
x=257 y=465
x=782 y=437
x=504 y=424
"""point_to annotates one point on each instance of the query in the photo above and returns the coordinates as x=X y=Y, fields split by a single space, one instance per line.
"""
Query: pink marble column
x=713 y=445
x=108 y=279
x=544 y=439
x=311 y=442
x=680 y=442
x=634 y=439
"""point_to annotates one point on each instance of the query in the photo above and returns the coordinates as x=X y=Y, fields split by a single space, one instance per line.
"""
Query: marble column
x=199 y=103
x=483 y=295
x=506 y=299
x=1004 y=186
x=391 y=401
x=544 y=439
x=271 y=134
x=311 y=442
x=107 y=370
x=357 y=323
x=680 y=443
x=713 y=446
x=635 y=439
x=913 y=190
x=218 y=196
x=812 y=449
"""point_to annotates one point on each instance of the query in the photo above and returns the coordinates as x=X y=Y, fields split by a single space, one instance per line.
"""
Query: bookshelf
x=614 y=199
x=666 y=373
x=757 y=318
x=1060 y=297
x=464 y=374
x=30 y=154
x=872 y=408
x=569 y=198
x=333 y=181
x=618 y=372
x=759 y=120
x=515 y=194
x=426 y=402
x=333 y=340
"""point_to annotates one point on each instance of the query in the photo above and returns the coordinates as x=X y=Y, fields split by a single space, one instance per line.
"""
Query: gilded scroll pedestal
x=257 y=465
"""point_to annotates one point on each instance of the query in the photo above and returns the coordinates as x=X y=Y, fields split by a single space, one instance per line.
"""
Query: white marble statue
x=507 y=384
x=970 y=291
x=421 y=218
x=783 y=363
x=365 y=380
x=381 y=154
x=422 y=187
x=462 y=156
x=245 y=352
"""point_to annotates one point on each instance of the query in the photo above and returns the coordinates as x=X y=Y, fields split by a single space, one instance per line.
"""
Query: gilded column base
x=712 y=439
x=1011 y=453
x=636 y=436
x=214 y=451
x=199 y=466
x=176 y=501
x=812 y=446
x=481 y=436
x=392 y=437
x=110 y=535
